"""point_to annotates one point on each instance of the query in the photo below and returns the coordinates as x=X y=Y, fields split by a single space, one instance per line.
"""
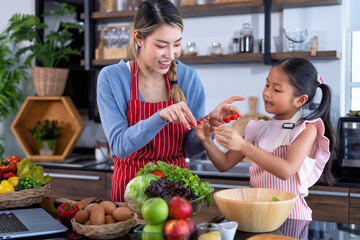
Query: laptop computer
x=29 y=222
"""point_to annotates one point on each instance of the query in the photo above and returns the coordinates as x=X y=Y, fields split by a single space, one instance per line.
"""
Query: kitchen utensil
x=228 y=230
x=253 y=209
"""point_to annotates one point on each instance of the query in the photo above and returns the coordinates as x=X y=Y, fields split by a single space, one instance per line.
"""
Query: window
x=355 y=71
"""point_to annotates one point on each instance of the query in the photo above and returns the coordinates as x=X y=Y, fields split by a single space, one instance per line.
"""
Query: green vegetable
x=174 y=172
x=28 y=169
x=274 y=199
x=135 y=189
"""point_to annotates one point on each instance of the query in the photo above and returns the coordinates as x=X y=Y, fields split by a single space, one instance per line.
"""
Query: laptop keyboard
x=10 y=223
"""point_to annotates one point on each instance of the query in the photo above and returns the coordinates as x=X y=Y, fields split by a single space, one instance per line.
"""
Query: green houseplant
x=46 y=133
x=49 y=44
x=12 y=72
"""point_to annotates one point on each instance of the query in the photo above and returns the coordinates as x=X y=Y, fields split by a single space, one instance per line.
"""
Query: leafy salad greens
x=175 y=173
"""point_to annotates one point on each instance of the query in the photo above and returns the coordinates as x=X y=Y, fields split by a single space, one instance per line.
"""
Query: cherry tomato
x=229 y=118
x=158 y=173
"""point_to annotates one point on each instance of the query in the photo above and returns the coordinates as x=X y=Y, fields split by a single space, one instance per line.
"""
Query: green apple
x=153 y=228
x=155 y=210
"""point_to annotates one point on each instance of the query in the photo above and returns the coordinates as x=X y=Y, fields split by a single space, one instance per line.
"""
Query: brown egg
x=90 y=207
x=108 y=206
x=87 y=222
x=109 y=219
x=82 y=216
x=122 y=213
x=97 y=217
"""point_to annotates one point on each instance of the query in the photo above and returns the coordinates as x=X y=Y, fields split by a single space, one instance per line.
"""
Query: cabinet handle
x=73 y=176
x=224 y=186
x=355 y=195
x=329 y=193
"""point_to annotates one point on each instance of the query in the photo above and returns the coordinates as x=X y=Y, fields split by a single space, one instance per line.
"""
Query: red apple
x=192 y=226
x=176 y=226
x=179 y=208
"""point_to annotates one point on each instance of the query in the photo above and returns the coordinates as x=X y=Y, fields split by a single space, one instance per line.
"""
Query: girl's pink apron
x=166 y=146
x=261 y=178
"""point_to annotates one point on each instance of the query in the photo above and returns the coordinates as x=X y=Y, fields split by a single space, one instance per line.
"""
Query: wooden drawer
x=329 y=203
x=108 y=185
x=77 y=185
x=354 y=212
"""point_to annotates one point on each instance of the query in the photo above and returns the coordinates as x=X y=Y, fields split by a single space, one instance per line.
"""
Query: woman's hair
x=151 y=15
x=303 y=76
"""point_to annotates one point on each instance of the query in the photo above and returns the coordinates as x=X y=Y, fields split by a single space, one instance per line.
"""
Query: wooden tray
x=36 y=109
x=101 y=52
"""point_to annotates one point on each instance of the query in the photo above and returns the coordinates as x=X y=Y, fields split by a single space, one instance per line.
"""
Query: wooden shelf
x=235 y=58
x=37 y=109
x=220 y=9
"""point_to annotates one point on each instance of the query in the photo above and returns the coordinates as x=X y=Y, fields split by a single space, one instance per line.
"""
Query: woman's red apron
x=166 y=146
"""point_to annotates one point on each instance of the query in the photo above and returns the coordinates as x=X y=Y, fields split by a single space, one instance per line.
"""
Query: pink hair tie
x=320 y=79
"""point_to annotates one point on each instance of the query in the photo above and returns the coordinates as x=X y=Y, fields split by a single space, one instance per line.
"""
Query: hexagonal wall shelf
x=37 y=109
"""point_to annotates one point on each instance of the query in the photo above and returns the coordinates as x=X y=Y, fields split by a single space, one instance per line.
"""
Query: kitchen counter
x=292 y=228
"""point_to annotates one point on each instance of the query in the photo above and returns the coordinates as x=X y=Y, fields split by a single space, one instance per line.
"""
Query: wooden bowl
x=253 y=209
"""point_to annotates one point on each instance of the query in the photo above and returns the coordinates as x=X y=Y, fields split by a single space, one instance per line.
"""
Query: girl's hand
x=203 y=130
x=178 y=113
x=224 y=109
x=228 y=138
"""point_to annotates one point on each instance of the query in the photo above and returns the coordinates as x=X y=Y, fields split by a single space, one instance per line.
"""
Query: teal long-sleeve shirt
x=113 y=94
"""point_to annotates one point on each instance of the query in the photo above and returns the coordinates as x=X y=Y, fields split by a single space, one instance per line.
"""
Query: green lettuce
x=175 y=173
x=26 y=168
x=135 y=189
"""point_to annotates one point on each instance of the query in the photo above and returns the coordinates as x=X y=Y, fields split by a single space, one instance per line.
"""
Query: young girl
x=289 y=152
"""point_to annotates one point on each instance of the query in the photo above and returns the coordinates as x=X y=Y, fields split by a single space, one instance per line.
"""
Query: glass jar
x=191 y=49
x=108 y=5
x=235 y=45
x=247 y=39
x=216 y=49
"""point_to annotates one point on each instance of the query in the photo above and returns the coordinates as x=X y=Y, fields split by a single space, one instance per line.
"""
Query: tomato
x=158 y=173
x=229 y=118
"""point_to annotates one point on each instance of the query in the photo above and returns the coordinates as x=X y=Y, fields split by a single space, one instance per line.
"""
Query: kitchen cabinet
x=329 y=203
x=354 y=212
x=77 y=184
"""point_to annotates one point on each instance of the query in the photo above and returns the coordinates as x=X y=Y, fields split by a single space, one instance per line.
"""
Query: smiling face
x=279 y=96
x=159 y=48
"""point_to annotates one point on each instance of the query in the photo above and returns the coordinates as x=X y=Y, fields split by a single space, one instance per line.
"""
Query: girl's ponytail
x=176 y=92
x=323 y=112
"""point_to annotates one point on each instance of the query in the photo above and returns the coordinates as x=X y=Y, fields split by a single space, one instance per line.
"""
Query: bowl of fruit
x=167 y=220
x=162 y=180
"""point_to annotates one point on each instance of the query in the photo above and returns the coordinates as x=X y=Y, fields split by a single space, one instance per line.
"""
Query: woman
x=142 y=102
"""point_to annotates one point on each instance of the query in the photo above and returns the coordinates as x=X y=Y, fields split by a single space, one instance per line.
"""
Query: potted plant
x=12 y=72
x=49 y=44
x=46 y=133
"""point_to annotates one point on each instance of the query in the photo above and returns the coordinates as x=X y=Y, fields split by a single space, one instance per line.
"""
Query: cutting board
x=240 y=125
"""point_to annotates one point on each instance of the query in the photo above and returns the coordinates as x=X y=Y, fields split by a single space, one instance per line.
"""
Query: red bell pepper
x=67 y=211
x=157 y=173
x=8 y=175
x=9 y=164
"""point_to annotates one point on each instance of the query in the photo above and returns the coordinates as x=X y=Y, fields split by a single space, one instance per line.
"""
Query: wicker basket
x=24 y=197
x=105 y=231
x=49 y=81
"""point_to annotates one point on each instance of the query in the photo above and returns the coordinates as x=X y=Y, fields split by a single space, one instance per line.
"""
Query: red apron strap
x=134 y=82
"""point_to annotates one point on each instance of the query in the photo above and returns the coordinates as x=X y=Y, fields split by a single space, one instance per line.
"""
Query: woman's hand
x=224 y=109
x=178 y=113
x=229 y=138
x=203 y=130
